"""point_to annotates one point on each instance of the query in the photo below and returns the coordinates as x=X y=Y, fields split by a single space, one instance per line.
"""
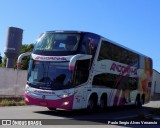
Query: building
x=155 y=90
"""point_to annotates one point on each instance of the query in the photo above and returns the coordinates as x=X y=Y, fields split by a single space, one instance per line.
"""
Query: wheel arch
x=93 y=95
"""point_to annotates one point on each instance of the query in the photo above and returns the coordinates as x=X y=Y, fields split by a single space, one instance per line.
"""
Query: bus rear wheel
x=92 y=105
x=143 y=99
x=138 y=103
x=103 y=104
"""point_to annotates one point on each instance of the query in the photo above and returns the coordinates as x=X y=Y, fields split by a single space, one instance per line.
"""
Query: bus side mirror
x=21 y=57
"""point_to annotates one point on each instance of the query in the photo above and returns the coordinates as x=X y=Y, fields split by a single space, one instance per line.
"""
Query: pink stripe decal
x=126 y=69
x=71 y=68
x=121 y=102
x=51 y=58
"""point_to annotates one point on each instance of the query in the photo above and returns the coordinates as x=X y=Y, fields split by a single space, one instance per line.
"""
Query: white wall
x=155 y=83
x=12 y=82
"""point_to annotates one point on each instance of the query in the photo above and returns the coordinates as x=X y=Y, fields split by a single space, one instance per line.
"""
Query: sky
x=132 y=23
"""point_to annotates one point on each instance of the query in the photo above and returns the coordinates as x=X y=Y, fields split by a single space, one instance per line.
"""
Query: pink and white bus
x=82 y=70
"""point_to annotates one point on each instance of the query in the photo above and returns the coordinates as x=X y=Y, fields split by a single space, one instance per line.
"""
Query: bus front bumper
x=62 y=103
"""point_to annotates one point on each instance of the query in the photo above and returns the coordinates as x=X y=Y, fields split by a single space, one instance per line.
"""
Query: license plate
x=43 y=103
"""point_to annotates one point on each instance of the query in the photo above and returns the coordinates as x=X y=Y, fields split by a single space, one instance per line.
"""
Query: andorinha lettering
x=123 y=69
x=45 y=92
x=50 y=58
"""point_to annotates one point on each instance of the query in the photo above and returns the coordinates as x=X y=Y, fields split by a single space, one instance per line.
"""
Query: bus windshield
x=49 y=75
x=57 y=42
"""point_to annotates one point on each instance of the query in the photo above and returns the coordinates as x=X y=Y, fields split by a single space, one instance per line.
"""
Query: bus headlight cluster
x=64 y=95
x=65 y=103
x=27 y=89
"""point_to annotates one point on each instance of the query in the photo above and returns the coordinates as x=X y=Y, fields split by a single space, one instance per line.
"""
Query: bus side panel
x=80 y=97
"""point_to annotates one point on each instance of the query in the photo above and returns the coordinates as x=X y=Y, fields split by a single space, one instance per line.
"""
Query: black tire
x=52 y=109
x=143 y=99
x=103 y=104
x=92 y=105
x=138 y=103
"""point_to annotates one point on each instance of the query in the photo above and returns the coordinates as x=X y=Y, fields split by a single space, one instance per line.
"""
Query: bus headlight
x=65 y=103
x=64 y=95
x=27 y=89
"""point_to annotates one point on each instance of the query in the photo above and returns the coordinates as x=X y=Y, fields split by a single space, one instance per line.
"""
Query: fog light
x=26 y=99
x=66 y=103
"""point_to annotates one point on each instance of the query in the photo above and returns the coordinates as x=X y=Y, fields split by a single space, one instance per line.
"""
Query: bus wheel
x=52 y=109
x=138 y=103
x=92 y=105
x=143 y=99
x=103 y=104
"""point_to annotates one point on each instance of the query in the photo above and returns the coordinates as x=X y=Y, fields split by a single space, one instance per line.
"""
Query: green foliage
x=7 y=102
x=26 y=48
x=4 y=61
x=0 y=59
x=25 y=61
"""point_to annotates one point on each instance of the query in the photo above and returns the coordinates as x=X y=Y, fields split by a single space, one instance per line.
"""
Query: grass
x=8 y=102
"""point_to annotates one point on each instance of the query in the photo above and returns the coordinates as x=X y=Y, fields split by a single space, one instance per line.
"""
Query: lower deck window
x=115 y=81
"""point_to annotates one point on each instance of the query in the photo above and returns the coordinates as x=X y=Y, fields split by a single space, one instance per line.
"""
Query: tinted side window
x=105 y=51
x=115 y=81
x=116 y=53
x=81 y=72
x=105 y=80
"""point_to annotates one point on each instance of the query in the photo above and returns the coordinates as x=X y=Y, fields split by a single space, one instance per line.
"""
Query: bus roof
x=71 y=31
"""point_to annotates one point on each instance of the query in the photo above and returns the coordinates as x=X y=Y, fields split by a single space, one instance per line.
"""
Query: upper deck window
x=58 y=42
x=116 y=53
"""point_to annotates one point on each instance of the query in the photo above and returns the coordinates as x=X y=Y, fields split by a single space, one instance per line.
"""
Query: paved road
x=35 y=112
x=76 y=117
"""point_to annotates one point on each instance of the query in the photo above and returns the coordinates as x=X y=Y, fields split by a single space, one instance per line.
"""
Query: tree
x=25 y=61
x=4 y=61
x=0 y=59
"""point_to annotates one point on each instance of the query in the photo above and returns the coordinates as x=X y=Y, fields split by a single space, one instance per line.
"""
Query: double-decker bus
x=82 y=70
